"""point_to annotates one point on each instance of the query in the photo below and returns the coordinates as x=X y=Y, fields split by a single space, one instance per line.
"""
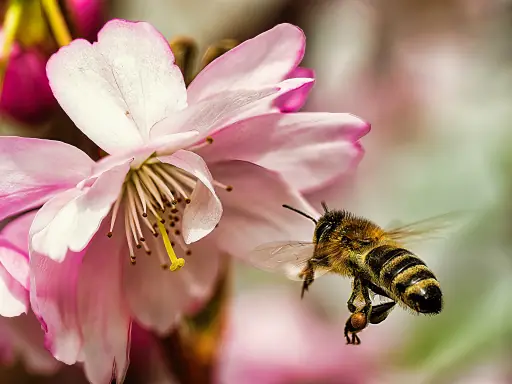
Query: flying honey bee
x=374 y=257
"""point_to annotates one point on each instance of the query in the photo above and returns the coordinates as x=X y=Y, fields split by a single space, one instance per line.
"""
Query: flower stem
x=57 y=22
x=10 y=27
x=192 y=350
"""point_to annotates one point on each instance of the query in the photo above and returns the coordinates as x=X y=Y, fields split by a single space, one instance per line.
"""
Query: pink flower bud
x=26 y=94
x=87 y=17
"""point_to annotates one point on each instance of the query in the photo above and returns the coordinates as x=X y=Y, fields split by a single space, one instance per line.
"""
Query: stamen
x=228 y=188
x=141 y=193
x=146 y=249
x=159 y=182
x=185 y=177
x=133 y=210
x=154 y=212
x=176 y=263
x=115 y=210
x=171 y=181
x=177 y=238
x=208 y=141
x=145 y=220
x=151 y=187
x=128 y=237
x=132 y=227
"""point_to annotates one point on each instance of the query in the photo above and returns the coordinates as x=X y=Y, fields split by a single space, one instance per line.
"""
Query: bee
x=375 y=258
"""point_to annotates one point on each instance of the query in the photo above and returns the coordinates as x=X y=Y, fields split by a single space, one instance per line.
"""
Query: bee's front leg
x=308 y=275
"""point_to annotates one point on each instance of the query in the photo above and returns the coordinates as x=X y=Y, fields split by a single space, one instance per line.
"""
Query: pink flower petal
x=118 y=88
x=13 y=295
x=253 y=212
x=204 y=212
x=15 y=261
x=33 y=170
x=53 y=300
x=158 y=298
x=71 y=219
x=151 y=84
x=294 y=101
x=17 y=230
x=302 y=147
x=228 y=107
x=163 y=144
x=266 y=59
x=80 y=302
x=102 y=310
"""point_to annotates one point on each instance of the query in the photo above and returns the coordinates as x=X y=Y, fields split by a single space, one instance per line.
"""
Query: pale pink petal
x=53 y=300
x=205 y=210
x=33 y=170
x=163 y=144
x=307 y=149
x=80 y=303
x=266 y=59
x=253 y=212
x=102 y=310
x=143 y=64
x=13 y=295
x=15 y=261
x=25 y=338
x=228 y=107
x=295 y=100
x=85 y=86
x=158 y=298
x=71 y=219
x=17 y=230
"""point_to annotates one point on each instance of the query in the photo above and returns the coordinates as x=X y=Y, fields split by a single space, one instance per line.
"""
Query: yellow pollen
x=209 y=140
x=176 y=263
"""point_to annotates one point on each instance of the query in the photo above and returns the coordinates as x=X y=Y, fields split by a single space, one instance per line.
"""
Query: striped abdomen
x=407 y=277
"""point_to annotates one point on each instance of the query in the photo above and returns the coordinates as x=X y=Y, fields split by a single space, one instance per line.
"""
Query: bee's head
x=352 y=232
x=328 y=224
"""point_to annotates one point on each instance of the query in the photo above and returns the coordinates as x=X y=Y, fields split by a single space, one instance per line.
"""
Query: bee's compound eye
x=322 y=229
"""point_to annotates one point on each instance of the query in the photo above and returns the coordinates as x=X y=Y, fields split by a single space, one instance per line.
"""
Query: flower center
x=155 y=195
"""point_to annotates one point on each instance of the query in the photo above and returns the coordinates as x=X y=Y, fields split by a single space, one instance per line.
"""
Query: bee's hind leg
x=380 y=312
x=360 y=317
x=356 y=291
x=355 y=324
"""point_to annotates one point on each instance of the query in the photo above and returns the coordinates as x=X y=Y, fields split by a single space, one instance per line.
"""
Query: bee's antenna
x=300 y=213
x=324 y=205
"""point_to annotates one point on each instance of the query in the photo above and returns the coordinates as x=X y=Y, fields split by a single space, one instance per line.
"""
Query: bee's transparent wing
x=287 y=257
x=437 y=227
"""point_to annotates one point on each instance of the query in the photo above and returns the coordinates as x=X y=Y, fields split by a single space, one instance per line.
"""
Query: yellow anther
x=176 y=263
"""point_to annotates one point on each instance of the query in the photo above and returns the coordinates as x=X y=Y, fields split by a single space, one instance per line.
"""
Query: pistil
x=176 y=263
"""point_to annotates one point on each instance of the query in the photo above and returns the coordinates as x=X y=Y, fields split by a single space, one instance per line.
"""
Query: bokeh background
x=435 y=80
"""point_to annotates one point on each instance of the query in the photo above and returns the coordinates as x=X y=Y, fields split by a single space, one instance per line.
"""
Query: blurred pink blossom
x=127 y=95
x=273 y=338
x=26 y=95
